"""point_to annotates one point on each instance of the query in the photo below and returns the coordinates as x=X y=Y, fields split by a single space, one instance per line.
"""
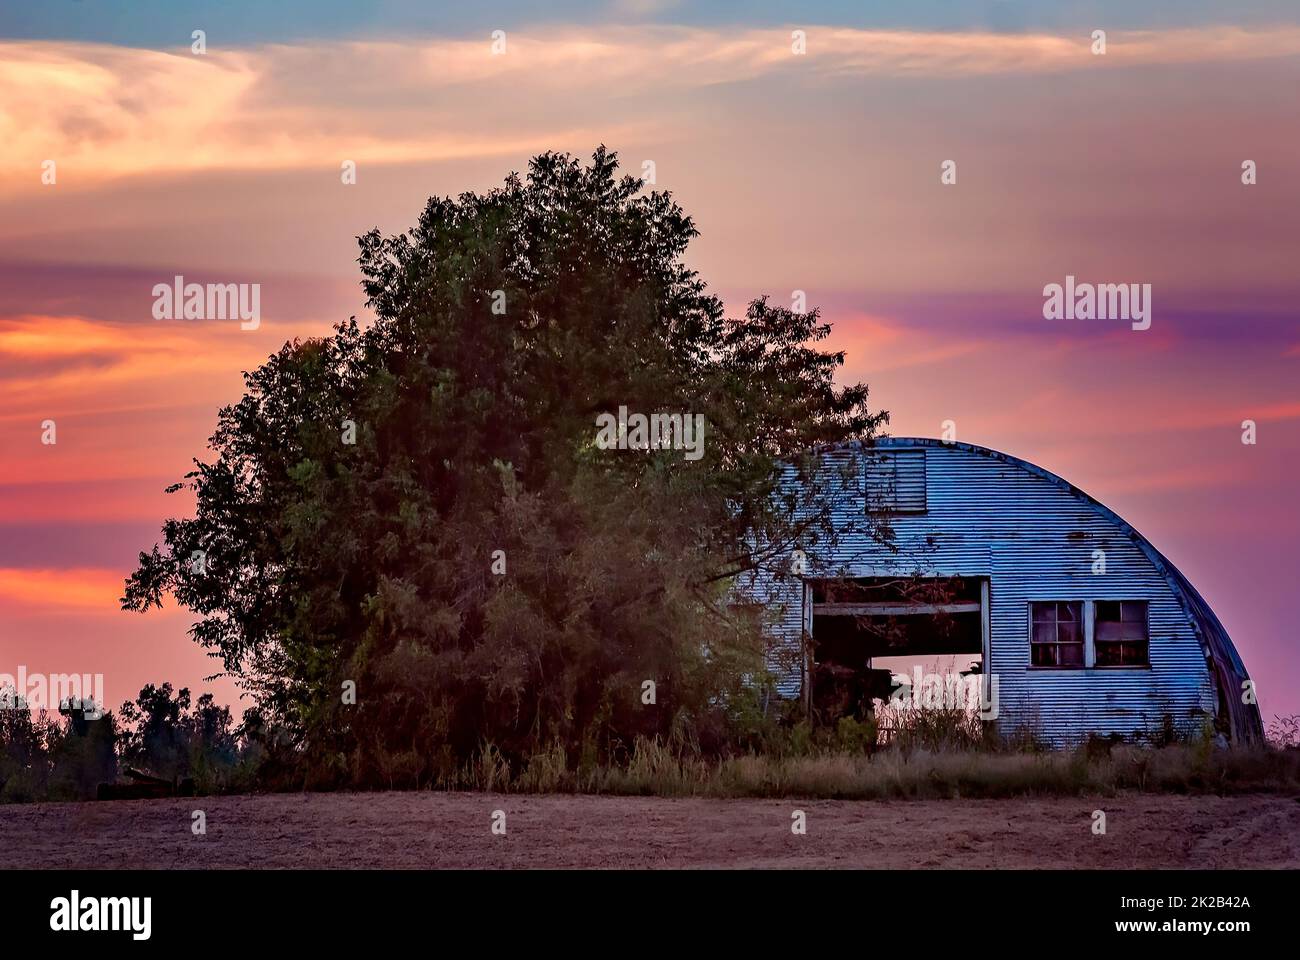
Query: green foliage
x=475 y=431
x=45 y=759
x=83 y=755
x=935 y=728
x=24 y=751
x=168 y=739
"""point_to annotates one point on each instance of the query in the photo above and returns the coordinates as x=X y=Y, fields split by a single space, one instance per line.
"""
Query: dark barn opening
x=856 y=621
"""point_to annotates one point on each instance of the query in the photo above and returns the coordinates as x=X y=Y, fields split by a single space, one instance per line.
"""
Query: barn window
x=1121 y=634
x=895 y=481
x=1057 y=634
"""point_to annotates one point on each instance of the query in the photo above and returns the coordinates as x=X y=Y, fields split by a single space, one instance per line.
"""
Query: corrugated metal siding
x=895 y=481
x=1033 y=537
x=783 y=599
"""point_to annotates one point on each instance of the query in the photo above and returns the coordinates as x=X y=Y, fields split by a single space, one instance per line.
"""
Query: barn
x=1082 y=624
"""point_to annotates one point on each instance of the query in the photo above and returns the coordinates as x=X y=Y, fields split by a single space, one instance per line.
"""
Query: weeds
x=929 y=755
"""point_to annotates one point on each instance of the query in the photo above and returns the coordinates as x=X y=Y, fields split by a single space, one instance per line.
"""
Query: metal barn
x=1087 y=628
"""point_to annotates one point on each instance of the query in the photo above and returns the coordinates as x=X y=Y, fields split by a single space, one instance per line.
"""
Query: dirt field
x=422 y=830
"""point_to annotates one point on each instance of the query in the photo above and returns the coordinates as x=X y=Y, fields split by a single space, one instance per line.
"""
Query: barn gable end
x=1029 y=538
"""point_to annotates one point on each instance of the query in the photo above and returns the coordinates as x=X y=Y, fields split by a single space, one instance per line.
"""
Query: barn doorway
x=864 y=631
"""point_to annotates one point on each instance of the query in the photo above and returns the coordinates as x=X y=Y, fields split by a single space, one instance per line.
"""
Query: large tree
x=347 y=524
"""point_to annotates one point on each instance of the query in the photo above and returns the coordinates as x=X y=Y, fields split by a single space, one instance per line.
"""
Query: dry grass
x=655 y=770
x=931 y=755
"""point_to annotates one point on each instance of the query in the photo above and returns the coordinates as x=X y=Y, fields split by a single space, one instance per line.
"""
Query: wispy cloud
x=126 y=401
x=62 y=358
x=642 y=8
x=102 y=111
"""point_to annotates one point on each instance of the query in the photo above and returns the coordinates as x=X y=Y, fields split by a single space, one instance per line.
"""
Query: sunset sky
x=818 y=172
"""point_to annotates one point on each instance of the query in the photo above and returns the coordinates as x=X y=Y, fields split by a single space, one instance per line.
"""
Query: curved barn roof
x=1225 y=663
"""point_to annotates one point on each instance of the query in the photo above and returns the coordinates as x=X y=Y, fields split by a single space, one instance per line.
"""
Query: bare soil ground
x=424 y=830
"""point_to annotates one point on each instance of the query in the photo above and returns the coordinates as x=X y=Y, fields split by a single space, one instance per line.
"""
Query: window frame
x=1145 y=641
x=1082 y=642
x=1088 y=623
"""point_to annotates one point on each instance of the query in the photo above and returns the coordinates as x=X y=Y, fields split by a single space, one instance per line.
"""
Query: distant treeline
x=161 y=732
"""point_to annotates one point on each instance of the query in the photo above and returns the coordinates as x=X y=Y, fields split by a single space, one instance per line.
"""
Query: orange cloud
x=875 y=345
x=96 y=358
x=74 y=590
x=127 y=401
